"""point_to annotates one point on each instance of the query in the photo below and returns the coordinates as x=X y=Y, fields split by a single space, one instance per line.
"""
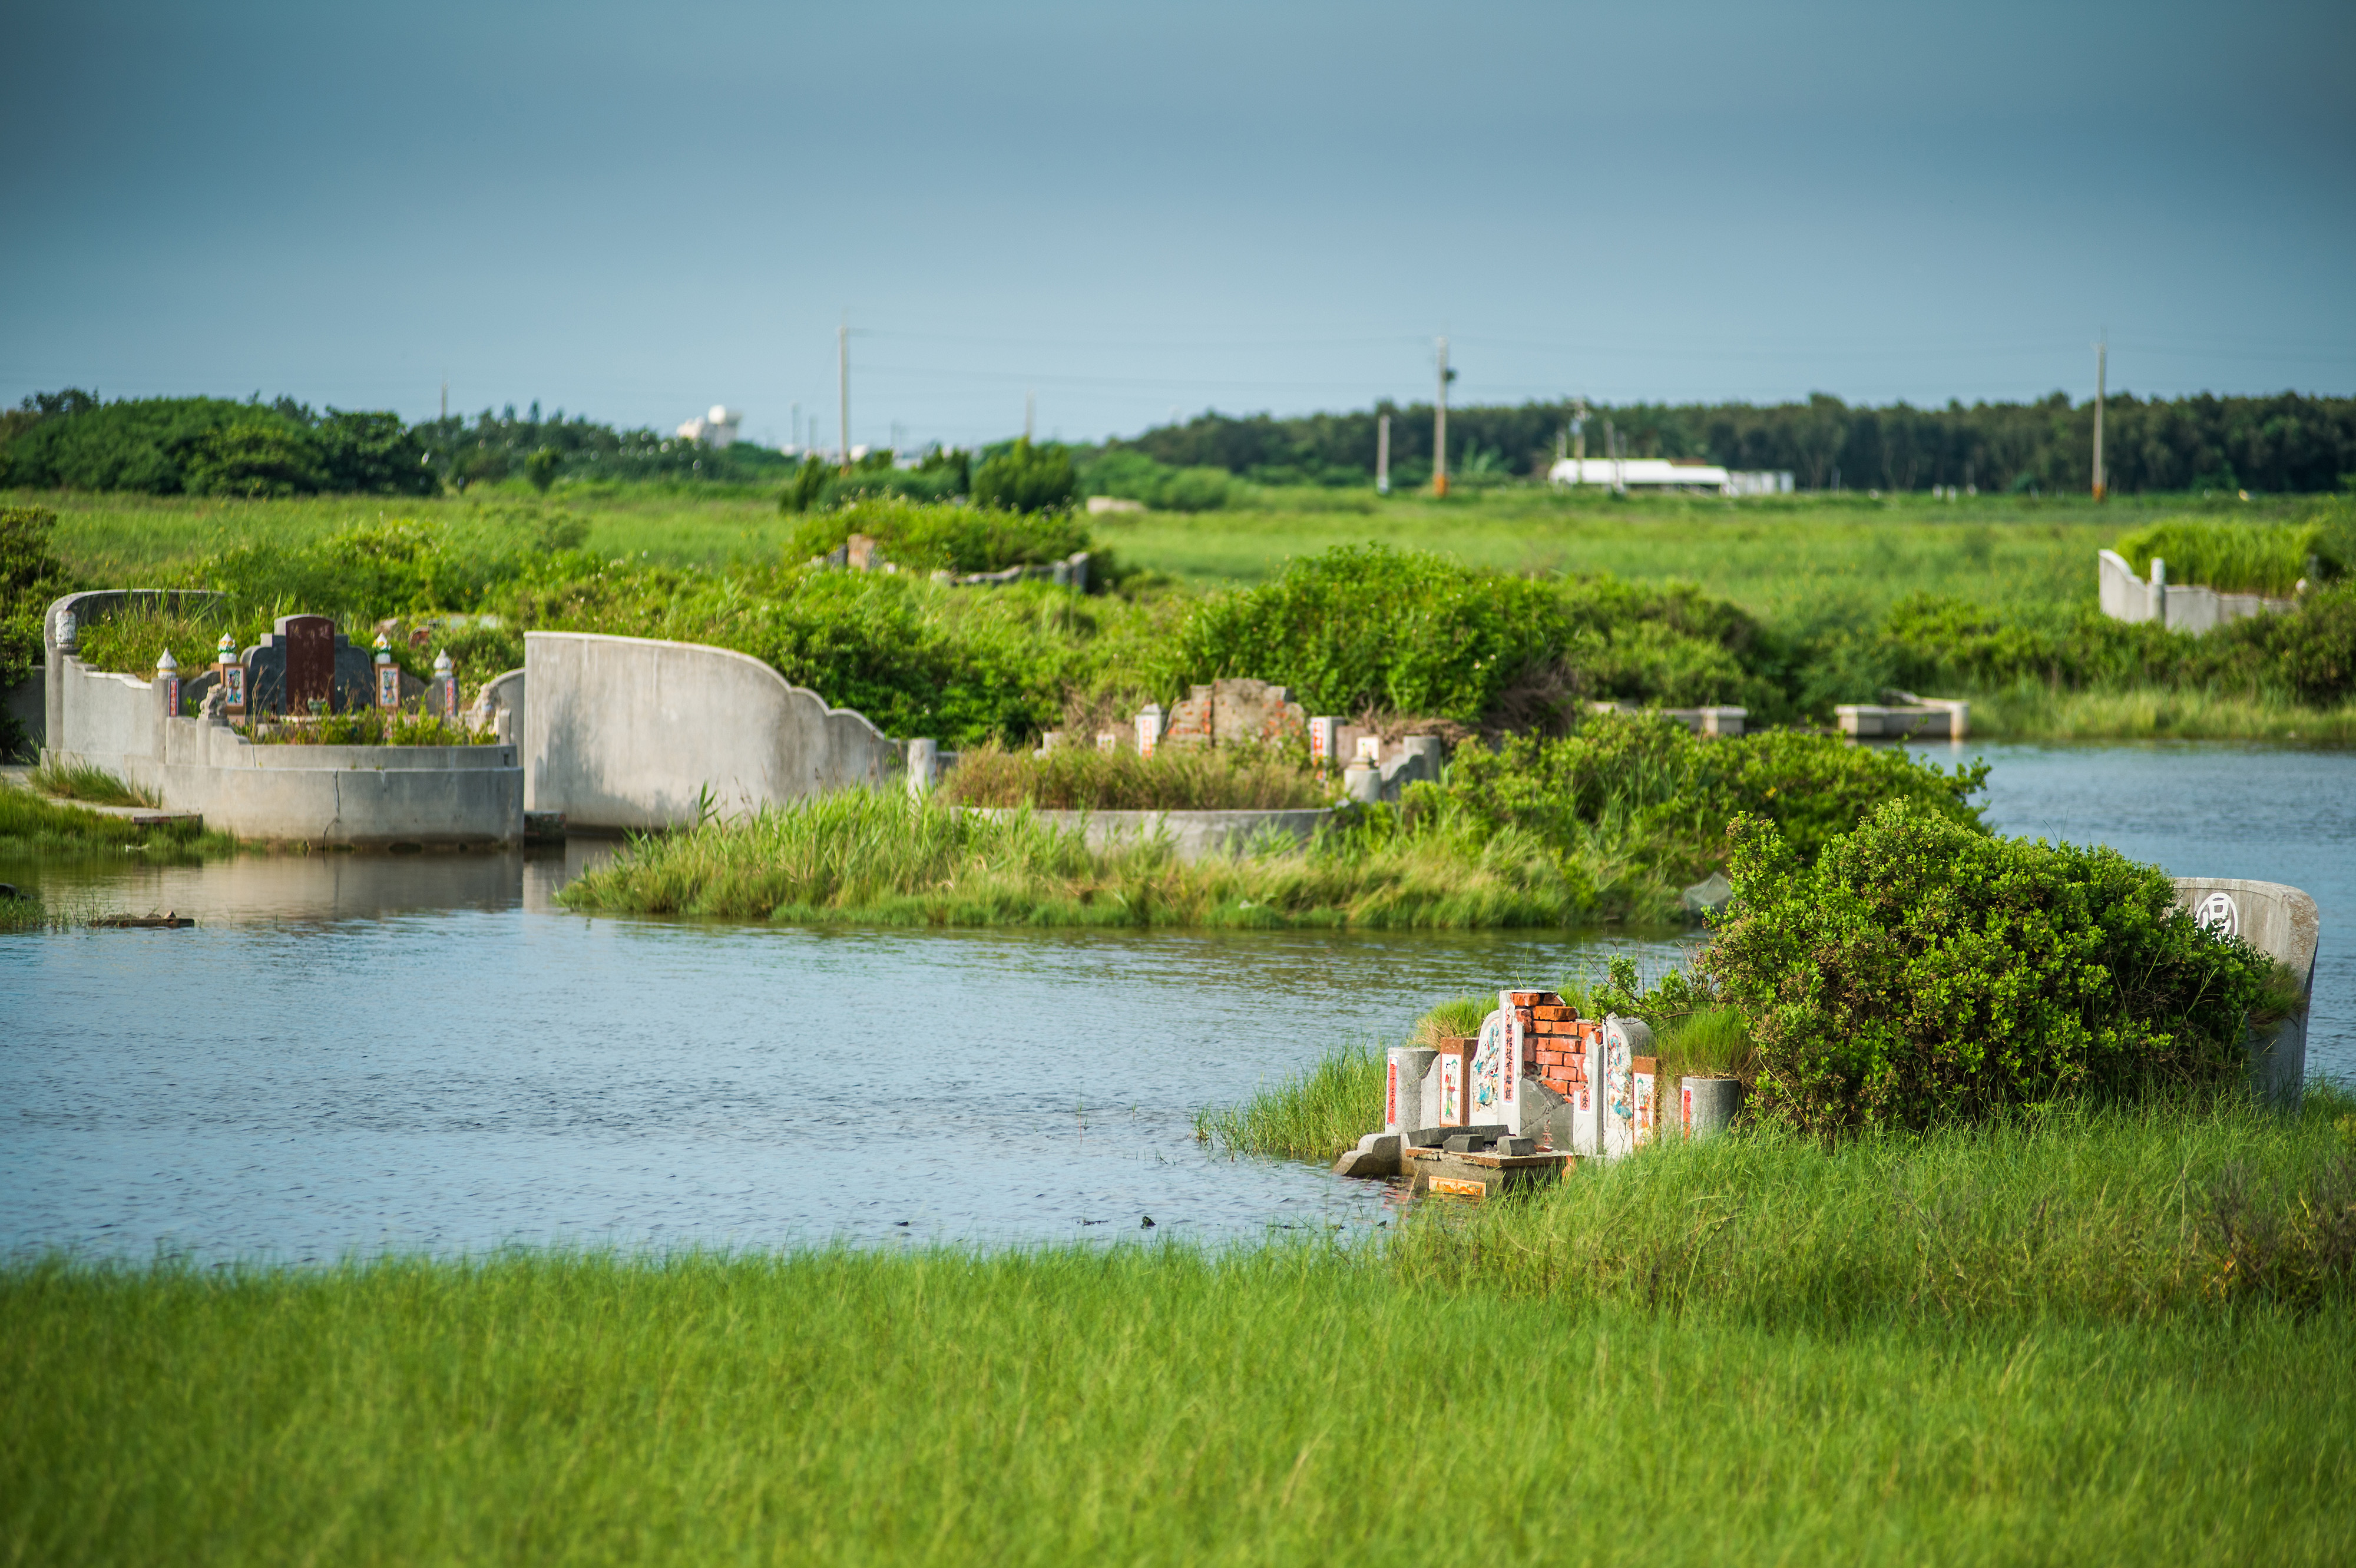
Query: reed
x=1175 y=779
x=1312 y=1115
x=84 y=781
x=31 y=827
x=1159 y=1404
x=2232 y=558
x=884 y=858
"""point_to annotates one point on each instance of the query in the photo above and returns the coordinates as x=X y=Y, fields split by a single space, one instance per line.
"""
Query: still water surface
x=356 y=1053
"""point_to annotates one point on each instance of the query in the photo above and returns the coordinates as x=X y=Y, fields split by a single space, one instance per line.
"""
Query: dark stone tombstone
x=310 y=661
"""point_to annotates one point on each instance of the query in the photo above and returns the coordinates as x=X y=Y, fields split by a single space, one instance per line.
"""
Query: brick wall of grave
x=1553 y=1040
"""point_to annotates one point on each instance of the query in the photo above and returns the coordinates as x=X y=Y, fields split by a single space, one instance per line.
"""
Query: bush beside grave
x=1920 y=973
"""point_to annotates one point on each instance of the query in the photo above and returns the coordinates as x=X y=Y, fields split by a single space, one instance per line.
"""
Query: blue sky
x=637 y=211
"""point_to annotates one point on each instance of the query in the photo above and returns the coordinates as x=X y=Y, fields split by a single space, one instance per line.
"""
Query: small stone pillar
x=1363 y=782
x=231 y=670
x=1403 y=1075
x=69 y=634
x=167 y=684
x=924 y=766
x=446 y=686
x=1423 y=756
x=387 y=675
x=1324 y=742
x=1706 y=1106
x=1152 y=722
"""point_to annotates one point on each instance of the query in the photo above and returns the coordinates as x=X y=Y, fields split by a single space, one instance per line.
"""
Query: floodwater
x=355 y=1053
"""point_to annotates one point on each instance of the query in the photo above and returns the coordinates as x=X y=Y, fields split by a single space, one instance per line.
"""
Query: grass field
x=2027 y=1345
x=1801 y=559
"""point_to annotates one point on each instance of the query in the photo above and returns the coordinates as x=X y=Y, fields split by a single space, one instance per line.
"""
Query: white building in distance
x=1666 y=474
x=715 y=429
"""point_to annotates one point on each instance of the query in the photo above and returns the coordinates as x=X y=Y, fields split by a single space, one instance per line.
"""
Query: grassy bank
x=2035 y=713
x=883 y=859
x=32 y=826
x=2112 y=1340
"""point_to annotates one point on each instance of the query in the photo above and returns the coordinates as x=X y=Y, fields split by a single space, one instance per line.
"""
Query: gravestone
x=1228 y=711
x=304 y=658
x=310 y=662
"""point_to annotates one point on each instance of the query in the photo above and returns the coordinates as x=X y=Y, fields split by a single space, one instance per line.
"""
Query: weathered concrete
x=627 y=733
x=85 y=607
x=500 y=706
x=2282 y=922
x=1707 y=1106
x=1193 y=836
x=1935 y=718
x=1233 y=710
x=1403 y=1074
x=2179 y=607
x=1718 y=721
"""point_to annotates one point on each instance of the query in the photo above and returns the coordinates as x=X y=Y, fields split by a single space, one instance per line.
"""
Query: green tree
x=258 y=456
x=1027 y=479
x=540 y=467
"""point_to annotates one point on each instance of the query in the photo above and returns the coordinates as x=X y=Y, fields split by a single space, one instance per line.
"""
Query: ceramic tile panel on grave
x=1231 y=712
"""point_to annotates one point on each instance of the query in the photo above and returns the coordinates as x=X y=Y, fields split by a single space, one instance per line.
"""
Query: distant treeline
x=207 y=446
x=2283 y=442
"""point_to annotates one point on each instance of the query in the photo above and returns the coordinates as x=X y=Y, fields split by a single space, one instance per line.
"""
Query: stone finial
x=168 y=665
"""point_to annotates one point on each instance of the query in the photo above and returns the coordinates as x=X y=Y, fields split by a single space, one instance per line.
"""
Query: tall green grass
x=882 y=857
x=2082 y=1213
x=1285 y=1405
x=2233 y=558
x=33 y=828
x=1313 y=1115
x=87 y=781
x=1079 y=777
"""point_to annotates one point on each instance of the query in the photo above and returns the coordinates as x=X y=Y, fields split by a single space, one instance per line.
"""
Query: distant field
x=1804 y=560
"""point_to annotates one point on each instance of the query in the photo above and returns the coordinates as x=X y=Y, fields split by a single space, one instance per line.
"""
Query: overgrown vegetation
x=82 y=782
x=32 y=827
x=944 y=536
x=1920 y=973
x=1079 y=778
x=2238 y=560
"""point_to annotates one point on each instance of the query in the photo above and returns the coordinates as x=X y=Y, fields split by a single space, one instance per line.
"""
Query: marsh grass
x=85 y=781
x=2232 y=558
x=1153 y=1405
x=2037 y=713
x=2070 y=1212
x=881 y=857
x=1079 y=778
x=35 y=828
x=1454 y=1019
x=1312 y=1115
x=2086 y=1336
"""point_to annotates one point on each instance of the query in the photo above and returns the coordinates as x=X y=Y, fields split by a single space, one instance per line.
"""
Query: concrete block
x=1707 y=1106
x=1624 y=1041
x=2282 y=922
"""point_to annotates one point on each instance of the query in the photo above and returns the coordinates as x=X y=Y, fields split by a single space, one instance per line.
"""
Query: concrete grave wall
x=2282 y=922
x=2179 y=607
x=97 y=603
x=629 y=733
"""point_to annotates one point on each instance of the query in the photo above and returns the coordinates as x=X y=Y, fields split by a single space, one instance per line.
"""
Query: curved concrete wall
x=95 y=603
x=629 y=733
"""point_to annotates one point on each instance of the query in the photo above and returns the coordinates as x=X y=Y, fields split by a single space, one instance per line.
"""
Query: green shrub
x=1652 y=782
x=1027 y=479
x=2232 y=558
x=1920 y=972
x=30 y=578
x=928 y=536
x=1366 y=627
x=208 y=445
x=1133 y=476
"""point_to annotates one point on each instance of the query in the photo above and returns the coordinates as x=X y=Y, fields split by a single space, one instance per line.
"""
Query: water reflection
x=373 y=1052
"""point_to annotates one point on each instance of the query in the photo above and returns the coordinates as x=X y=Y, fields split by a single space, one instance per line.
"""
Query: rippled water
x=353 y=1052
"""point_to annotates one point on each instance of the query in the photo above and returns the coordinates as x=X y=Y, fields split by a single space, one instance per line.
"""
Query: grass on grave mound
x=1176 y=779
x=883 y=858
x=2113 y=1339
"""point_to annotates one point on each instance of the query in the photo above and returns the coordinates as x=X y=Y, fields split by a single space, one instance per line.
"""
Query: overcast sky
x=635 y=212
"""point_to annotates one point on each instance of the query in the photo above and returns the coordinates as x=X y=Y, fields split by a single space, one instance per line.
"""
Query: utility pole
x=842 y=379
x=1383 y=454
x=2102 y=371
x=1439 y=428
x=1030 y=412
x=1578 y=439
x=798 y=427
x=445 y=397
